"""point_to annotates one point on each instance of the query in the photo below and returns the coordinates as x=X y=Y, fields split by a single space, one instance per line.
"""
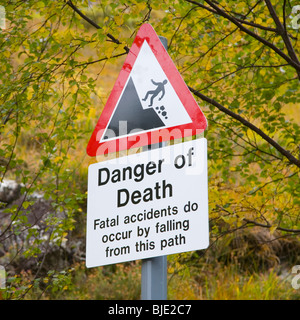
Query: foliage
x=59 y=60
x=103 y=283
x=227 y=283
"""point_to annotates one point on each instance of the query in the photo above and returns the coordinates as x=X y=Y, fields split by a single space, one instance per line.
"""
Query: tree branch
x=249 y=125
x=94 y=24
x=217 y=10
x=256 y=25
x=100 y=60
x=283 y=33
x=269 y=226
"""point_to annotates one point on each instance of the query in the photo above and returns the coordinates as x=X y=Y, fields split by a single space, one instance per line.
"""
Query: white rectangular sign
x=149 y=204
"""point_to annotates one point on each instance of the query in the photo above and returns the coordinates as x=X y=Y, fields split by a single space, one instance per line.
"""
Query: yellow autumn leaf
x=57 y=159
x=204 y=48
x=64 y=235
x=262 y=71
x=259 y=21
x=139 y=7
x=109 y=51
x=6 y=54
x=208 y=65
x=238 y=38
x=119 y=20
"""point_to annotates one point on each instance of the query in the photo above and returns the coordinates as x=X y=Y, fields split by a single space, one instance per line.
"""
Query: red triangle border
x=198 y=124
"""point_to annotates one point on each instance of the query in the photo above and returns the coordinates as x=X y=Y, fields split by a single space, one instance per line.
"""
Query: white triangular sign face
x=154 y=91
x=147 y=68
x=149 y=96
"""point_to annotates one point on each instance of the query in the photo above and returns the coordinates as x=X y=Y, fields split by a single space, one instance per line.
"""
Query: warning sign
x=149 y=103
x=149 y=204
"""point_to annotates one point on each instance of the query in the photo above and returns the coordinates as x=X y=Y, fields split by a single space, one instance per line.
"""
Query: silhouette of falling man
x=160 y=88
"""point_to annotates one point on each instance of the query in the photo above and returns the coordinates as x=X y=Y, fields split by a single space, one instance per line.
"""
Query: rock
x=10 y=191
x=36 y=222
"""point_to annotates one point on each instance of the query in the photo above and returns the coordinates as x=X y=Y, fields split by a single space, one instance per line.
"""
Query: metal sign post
x=154 y=270
x=154 y=278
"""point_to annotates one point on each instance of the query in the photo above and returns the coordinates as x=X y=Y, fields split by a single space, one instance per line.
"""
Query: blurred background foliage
x=59 y=60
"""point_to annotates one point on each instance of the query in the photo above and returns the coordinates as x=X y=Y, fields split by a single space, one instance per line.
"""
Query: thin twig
x=94 y=24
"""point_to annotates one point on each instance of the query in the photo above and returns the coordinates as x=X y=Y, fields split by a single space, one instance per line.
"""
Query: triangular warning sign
x=149 y=103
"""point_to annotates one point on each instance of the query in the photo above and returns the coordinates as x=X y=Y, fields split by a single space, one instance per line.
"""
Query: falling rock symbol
x=161 y=110
x=130 y=111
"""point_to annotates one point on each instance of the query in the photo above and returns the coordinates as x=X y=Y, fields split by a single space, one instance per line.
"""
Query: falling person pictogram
x=160 y=89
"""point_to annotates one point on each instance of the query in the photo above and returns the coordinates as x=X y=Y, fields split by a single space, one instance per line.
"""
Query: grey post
x=154 y=270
